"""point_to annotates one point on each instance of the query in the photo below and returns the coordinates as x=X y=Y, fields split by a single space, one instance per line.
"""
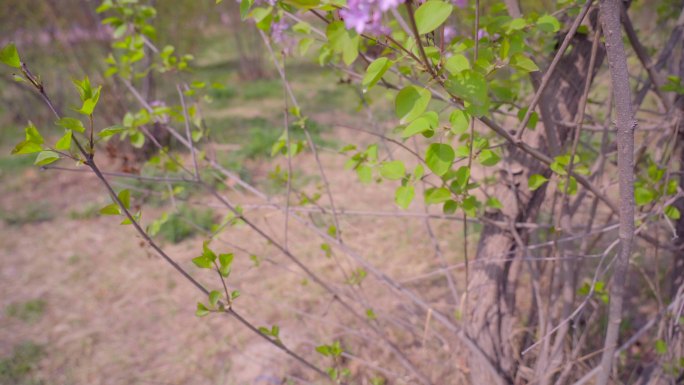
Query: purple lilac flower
x=366 y=15
x=449 y=34
x=278 y=31
x=460 y=3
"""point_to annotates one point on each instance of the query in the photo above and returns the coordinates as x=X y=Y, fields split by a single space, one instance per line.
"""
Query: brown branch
x=617 y=60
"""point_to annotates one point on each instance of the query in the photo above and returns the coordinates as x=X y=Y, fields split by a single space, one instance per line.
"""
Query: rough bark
x=622 y=97
x=492 y=312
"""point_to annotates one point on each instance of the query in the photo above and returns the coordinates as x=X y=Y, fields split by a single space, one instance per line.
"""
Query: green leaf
x=460 y=121
x=323 y=350
x=202 y=262
x=470 y=206
x=392 y=170
x=71 y=124
x=245 y=5
x=457 y=63
x=234 y=294
x=375 y=71
x=488 y=158
x=214 y=297
x=418 y=172
x=494 y=203
x=26 y=147
x=64 y=143
x=10 y=56
x=439 y=158
x=364 y=173
x=644 y=195
x=535 y=181
x=46 y=157
x=523 y=63
x=450 y=207
x=110 y=131
x=207 y=252
x=660 y=347
x=672 y=212
x=418 y=126
x=534 y=118
x=89 y=104
x=404 y=196
x=343 y=41
x=110 y=209
x=411 y=102
x=201 y=310
x=517 y=24
x=471 y=86
x=437 y=195
x=225 y=263
x=125 y=198
x=461 y=179
x=548 y=23
x=431 y=15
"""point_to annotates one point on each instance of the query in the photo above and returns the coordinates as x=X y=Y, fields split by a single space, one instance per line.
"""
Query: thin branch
x=617 y=60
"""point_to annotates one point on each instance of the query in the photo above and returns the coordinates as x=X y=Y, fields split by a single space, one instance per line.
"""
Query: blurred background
x=84 y=301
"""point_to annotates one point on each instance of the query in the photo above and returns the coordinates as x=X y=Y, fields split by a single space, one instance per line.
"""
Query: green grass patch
x=30 y=311
x=186 y=223
x=19 y=367
x=32 y=213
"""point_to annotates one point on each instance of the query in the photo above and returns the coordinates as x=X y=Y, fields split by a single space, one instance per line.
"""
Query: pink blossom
x=366 y=15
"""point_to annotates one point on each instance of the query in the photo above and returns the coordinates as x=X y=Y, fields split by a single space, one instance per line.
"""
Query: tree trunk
x=491 y=314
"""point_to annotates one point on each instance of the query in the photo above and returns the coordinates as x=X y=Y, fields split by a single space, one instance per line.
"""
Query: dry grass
x=116 y=314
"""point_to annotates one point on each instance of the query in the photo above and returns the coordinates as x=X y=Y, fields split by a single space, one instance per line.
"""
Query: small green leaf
x=411 y=102
x=364 y=173
x=523 y=63
x=431 y=14
x=323 y=350
x=89 y=104
x=201 y=310
x=392 y=170
x=214 y=297
x=225 y=263
x=535 y=181
x=672 y=212
x=64 y=143
x=71 y=124
x=457 y=63
x=470 y=206
x=207 y=252
x=234 y=294
x=110 y=131
x=202 y=262
x=460 y=121
x=46 y=157
x=644 y=195
x=548 y=23
x=494 y=203
x=488 y=158
x=10 y=56
x=418 y=126
x=110 y=209
x=437 y=195
x=439 y=158
x=375 y=71
x=661 y=347
x=404 y=196
x=125 y=198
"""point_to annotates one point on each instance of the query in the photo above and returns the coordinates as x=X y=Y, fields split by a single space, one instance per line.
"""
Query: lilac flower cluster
x=366 y=15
